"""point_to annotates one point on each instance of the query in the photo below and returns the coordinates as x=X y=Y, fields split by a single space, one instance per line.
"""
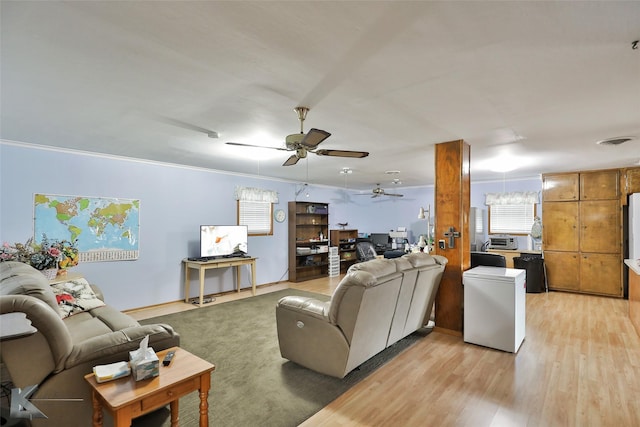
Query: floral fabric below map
x=106 y=229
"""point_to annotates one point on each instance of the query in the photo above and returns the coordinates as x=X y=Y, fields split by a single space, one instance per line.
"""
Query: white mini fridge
x=494 y=307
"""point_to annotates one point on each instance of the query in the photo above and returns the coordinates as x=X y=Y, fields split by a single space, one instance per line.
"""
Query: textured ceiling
x=538 y=81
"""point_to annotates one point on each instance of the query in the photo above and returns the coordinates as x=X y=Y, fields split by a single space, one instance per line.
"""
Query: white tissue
x=144 y=361
x=141 y=352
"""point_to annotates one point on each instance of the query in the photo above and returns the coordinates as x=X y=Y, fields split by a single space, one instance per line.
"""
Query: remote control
x=167 y=359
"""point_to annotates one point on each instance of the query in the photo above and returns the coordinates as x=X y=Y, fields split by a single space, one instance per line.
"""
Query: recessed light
x=392 y=172
x=618 y=140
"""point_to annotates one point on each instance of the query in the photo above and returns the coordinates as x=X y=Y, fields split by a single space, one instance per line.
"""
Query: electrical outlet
x=441 y=244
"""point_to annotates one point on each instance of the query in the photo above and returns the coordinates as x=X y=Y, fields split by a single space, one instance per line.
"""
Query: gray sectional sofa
x=66 y=346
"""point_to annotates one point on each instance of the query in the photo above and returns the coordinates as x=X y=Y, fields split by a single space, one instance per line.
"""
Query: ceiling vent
x=615 y=141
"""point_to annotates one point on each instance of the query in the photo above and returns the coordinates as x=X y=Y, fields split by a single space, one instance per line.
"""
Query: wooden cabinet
x=308 y=240
x=600 y=229
x=582 y=232
x=632 y=180
x=559 y=187
x=629 y=183
x=599 y=185
x=563 y=270
x=560 y=222
x=345 y=241
x=601 y=274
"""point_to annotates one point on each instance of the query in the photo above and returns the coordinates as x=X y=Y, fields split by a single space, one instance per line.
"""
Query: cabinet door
x=601 y=274
x=600 y=227
x=560 y=226
x=563 y=270
x=632 y=180
x=559 y=187
x=599 y=185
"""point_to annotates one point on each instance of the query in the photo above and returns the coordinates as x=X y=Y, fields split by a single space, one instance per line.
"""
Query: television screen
x=221 y=240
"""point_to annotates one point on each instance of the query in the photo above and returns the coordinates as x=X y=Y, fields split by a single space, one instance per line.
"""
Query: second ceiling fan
x=302 y=143
x=379 y=191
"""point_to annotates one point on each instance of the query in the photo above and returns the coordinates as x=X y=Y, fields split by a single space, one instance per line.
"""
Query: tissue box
x=144 y=368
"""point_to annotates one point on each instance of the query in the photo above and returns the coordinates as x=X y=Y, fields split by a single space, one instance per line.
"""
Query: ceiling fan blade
x=291 y=160
x=342 y=153
x=314 y=137
x=256 y=146
x=394 y=194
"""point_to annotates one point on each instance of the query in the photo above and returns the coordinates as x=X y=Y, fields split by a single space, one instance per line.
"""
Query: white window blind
x=256 y=216
x=511 y=219
x=255 y=209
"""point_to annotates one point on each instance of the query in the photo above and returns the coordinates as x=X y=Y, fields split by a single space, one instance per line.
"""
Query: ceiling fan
x=378 y=191
x=302 y=143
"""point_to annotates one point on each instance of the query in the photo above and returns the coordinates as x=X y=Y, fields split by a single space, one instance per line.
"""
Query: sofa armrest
x=441 y=260
x=32 y=358
x=121 y=342
x=97 y=291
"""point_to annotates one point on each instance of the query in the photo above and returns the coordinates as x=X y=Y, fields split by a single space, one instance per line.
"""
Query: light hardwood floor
x=578 y=366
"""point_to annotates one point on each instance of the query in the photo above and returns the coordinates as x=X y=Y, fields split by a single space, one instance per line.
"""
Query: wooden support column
x=452 y=205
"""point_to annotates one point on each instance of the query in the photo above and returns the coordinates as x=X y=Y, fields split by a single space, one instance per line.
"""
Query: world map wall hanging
x=105 y=229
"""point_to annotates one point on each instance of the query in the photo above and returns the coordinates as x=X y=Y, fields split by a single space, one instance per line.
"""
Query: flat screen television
x=223 y=240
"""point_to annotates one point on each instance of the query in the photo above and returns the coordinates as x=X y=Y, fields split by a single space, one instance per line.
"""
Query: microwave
x=509 y=243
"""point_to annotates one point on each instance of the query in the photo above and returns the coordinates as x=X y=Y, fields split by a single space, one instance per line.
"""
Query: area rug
x=252 y=384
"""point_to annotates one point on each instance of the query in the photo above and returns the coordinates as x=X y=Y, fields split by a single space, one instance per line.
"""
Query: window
x=255 y=210
x=479 y=221
x=257 y=216
x=511 y=219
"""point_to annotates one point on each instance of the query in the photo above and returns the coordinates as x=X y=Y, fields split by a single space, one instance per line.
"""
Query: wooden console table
x=126 y=398
x=203 y=266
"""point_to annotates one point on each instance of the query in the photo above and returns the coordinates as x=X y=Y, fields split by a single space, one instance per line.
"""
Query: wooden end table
x=127 y=399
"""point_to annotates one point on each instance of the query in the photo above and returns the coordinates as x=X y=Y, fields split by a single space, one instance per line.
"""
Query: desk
x=126 y=398
x=203 y=266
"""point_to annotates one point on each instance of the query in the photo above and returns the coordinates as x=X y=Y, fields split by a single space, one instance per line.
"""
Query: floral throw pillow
x=75 y=296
